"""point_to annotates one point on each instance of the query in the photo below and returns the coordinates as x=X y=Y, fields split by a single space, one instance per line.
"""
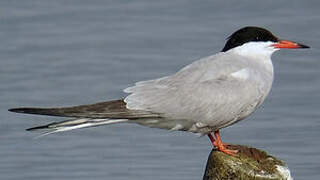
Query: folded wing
x=111 y=109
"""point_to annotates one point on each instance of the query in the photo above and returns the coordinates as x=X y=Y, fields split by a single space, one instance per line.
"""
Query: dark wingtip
x=26 y=110
x=37 y=128
x=30 y=110
x=17 y=110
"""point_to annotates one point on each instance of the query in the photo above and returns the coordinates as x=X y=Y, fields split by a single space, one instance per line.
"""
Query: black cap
x=248 y=34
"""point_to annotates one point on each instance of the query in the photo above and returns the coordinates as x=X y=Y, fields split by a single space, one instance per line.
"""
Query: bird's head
x=258 y=39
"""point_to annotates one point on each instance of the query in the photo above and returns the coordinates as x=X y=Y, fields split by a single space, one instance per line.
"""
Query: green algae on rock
x=248 y=164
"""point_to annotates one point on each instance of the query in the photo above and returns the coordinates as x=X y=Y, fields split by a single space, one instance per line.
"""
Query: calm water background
x=55 y=53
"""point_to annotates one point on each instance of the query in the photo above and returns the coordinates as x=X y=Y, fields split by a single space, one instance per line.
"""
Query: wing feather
x=111 y=109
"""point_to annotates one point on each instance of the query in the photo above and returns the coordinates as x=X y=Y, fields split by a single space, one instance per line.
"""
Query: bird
x=203 y=97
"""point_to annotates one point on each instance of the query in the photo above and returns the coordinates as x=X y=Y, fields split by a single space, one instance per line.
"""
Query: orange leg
x=213 y=141
x=218 y=143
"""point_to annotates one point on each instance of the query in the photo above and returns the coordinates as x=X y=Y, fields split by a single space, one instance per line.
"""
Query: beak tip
x=303 y=46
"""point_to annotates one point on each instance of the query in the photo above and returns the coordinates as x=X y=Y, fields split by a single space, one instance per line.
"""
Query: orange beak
x=284 y=44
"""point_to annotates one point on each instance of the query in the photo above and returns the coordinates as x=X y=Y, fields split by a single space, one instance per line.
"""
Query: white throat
x=256 y=50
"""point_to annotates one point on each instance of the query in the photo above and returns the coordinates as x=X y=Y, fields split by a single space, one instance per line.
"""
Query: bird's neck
x=257 y=52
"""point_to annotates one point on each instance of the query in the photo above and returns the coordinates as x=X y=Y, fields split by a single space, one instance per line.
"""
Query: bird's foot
x=216 y=142
x=223 y=148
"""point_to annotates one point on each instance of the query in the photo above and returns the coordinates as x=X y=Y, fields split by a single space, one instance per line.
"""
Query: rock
x=248 y=164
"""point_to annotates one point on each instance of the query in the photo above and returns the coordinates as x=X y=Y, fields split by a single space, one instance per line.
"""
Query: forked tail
x=74 y=124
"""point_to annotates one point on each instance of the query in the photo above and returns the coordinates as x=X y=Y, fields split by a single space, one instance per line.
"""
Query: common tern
x=209 y=94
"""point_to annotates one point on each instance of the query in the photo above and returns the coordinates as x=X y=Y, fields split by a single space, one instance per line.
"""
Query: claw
x=227 y=151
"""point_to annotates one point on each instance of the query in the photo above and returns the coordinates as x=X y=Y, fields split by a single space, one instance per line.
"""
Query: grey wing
x=202 y=94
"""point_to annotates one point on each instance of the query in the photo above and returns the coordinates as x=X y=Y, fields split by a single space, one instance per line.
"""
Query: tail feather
x=62 y=124
x=74 y=124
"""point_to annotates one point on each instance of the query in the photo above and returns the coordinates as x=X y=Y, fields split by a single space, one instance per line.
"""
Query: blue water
x=60 y=53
